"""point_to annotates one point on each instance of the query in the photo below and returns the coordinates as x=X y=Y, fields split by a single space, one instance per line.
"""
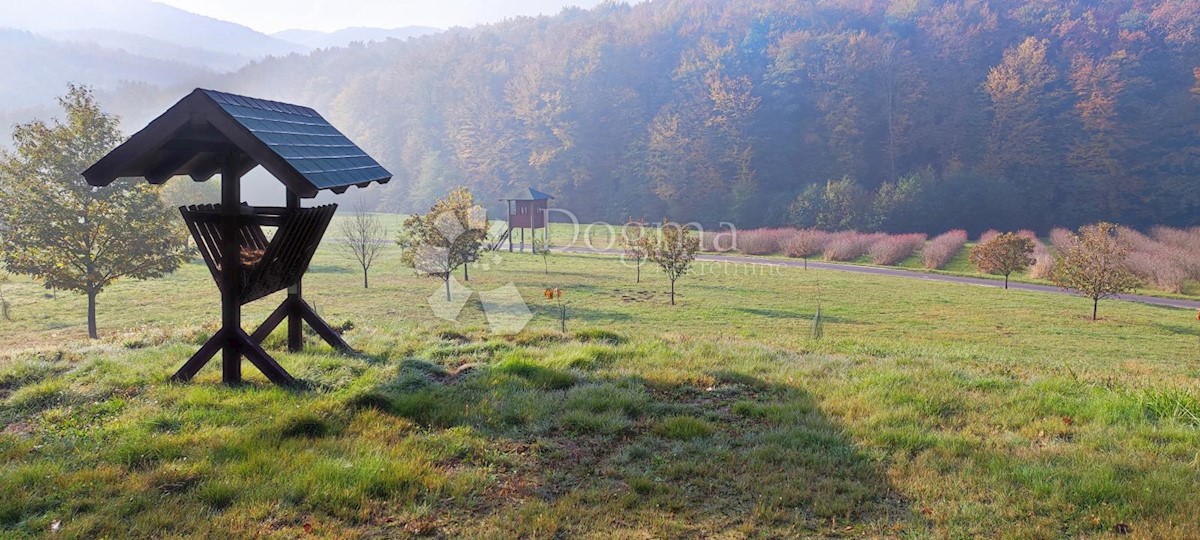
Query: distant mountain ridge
x=321 y=40
x=144 y=18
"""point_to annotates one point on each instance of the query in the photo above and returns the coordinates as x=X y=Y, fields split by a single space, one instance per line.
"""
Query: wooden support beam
x=271 y=323
x=295 y=295
x=231 y=269
x=263 y=361
x=323 y=329
x=202 y=356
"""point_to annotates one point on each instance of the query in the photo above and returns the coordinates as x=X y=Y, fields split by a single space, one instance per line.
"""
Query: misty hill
x=143 y=18
x=114 y=45
x=955 y=113
x=37 y=69
x=320 y=40
x=153 y=48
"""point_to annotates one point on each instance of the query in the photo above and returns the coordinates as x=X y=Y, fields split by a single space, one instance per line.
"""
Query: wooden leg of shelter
x=295 y=319
x=263 y=361
x=202 y=356
x=297 y=312
x=231 y=264
x=271 y=323
x=323 y=329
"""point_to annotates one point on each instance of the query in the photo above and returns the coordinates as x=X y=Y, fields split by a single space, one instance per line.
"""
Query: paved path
x=911 y=274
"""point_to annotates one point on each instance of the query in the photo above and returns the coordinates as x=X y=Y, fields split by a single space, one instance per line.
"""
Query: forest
x=900 y=115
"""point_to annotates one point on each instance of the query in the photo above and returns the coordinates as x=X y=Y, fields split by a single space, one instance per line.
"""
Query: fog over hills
x=321 y=40
x=144 y=18
x=135 y=49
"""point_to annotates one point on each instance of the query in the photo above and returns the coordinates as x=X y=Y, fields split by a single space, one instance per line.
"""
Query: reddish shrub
x=718 y=241
x=848 y=245
x=1158 y=263
x=1062 y=239
x=1185 y=244
x=942 y=249
x=805 y=243
x=893 y=249
x=763 y=241
x=988 y=235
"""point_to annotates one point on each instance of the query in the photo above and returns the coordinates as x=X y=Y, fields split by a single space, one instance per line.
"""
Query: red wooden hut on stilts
x=211 y=132
x=526 y=213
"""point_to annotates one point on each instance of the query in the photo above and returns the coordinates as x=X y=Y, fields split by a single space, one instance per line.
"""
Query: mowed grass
x=928 y=410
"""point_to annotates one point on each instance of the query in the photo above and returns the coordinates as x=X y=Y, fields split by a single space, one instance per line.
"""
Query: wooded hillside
x=941 y=114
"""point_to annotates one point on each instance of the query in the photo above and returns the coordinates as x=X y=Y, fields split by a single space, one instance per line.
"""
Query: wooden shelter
x=211 y=132
x=526 y=213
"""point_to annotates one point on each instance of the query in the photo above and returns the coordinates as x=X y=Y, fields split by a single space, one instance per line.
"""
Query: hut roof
x=534 y=195
x=197 y=136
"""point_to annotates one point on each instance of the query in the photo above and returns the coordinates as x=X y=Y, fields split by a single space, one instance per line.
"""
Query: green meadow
x=927 y=410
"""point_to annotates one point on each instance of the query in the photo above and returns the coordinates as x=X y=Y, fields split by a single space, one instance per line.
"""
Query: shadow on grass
x=788 y=314
x=724 y=450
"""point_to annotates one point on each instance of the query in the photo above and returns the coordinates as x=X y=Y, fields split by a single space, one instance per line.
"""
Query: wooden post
x=231 y=266
x=508 y=204
x=295 y=296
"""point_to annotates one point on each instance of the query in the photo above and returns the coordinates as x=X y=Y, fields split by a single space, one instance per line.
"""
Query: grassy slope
x=929 y=409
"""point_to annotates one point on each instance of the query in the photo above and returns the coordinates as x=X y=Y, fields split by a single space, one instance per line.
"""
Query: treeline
x=902 y=115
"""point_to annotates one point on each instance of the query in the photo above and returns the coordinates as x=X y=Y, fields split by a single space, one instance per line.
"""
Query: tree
x=541 y=247
x=5 y=307
x=363 y=238
x=637 y=248
x=68 y=234
x=674 y=252
x=1095 y=265
x=450 y=235
x=839 y=205
x=1003 y=254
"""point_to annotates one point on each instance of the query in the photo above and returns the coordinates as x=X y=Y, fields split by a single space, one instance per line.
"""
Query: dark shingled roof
x=534 y=195
x=197 y=135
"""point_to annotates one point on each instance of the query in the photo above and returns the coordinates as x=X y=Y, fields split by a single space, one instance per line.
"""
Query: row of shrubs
x=1165 y=257
x=881 y=248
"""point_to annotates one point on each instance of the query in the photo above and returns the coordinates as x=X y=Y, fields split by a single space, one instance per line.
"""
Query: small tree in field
x=1003 y=254
x=542 y=248
x=363 y=238
x=68 y=234
x=450 y=235
x=1095 y=264
x=4 y=306
x=637 y=248
x=674 y=252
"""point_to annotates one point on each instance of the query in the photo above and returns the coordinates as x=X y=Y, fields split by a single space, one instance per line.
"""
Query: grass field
x=928 y=410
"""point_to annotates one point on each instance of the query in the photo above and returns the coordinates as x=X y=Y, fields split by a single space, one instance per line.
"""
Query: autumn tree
x=637 y=248
x=675 y=251
x=1003 y=254
x=68 y=234
x=363 y=238
x=1095 y=265
x=450 y=235
x=5 y=307
x=839 y=205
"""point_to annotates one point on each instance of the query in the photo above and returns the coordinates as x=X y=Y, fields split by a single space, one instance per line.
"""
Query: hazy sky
x=275 y=15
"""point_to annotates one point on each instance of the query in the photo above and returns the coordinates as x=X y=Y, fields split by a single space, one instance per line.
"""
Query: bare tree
x=363 y=238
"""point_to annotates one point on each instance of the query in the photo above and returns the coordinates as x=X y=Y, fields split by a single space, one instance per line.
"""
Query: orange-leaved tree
x=1003 y=254
x=1095 y=264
